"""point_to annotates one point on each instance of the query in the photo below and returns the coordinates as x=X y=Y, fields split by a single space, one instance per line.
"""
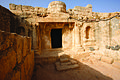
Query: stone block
x=107 y=59
x=73 y=61
x=66 y=63
x=64 y=60
x=19 y=7
x=32 y=9
x=12 y=6
x=25 y=8
x=64 y=56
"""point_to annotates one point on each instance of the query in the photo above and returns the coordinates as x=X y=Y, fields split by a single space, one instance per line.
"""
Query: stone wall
x=107 y=33
x=115 y=32
x=5 y=18
x=27 y=11
x=79 y=11
x=101 y=32
x=56 y=6
x=13 y=23
x=16 y=57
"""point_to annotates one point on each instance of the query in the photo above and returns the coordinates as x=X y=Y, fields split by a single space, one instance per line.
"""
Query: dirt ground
x=88 y=70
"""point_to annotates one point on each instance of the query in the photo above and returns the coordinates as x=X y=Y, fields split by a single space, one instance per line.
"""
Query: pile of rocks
x=117 y=47
x=66 y=63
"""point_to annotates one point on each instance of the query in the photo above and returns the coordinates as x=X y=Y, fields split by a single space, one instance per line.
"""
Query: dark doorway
x=56 y=38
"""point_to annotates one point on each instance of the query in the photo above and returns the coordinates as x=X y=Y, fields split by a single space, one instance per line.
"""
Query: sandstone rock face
x=13 y=52
x=57 y=6
x=80 y=29
x=26 y=8
x=19 y=7
x=12 y=6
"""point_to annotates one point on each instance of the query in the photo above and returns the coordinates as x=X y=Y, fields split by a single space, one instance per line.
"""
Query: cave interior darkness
x=56 y=38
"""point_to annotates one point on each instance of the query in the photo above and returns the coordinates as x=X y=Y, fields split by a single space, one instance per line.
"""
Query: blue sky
x=98 y=5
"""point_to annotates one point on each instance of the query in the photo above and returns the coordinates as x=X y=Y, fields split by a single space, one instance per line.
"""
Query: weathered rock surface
x=107 y=59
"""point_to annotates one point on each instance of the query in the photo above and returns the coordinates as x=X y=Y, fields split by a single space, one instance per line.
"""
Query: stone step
x=64 y=56
x=62 y=60
x=65 y=67
x=66 y=63
x=73 y=61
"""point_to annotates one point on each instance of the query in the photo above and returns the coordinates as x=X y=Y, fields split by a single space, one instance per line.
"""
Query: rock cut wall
x=16 y=57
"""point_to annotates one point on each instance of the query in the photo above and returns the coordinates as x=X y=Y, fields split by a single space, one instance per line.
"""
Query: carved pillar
x=77 y=38
x=77 y=35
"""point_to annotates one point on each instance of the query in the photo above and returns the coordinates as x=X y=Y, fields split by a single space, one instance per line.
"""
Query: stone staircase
x=66 y=63
x=47 y=57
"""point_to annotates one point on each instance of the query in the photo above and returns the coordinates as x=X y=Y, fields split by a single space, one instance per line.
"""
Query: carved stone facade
x=78 y=29
x=80 y=26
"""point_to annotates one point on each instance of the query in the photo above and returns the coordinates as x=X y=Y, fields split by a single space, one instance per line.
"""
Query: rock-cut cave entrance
x=56 y=38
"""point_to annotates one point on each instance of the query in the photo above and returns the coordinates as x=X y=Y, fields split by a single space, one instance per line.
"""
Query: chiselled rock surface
x=74 y=32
